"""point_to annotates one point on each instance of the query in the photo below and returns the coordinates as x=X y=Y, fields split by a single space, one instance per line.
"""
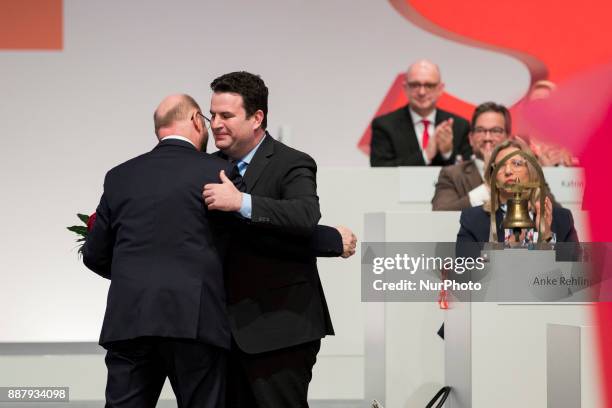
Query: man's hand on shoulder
x=349 y=241
x=222 y=196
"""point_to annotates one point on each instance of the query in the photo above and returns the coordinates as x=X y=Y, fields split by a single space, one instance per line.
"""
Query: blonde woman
x=476 y=223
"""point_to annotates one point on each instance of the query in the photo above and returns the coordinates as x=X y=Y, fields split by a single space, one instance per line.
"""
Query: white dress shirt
x=480 y=194
x=419 y=127
x=179 y=137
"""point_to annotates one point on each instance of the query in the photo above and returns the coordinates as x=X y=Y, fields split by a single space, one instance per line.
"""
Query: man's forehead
x=423 y=71
x=491 y=117
x=226 y=100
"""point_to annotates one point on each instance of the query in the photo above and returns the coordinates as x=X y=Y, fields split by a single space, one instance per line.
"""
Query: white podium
x=418 y=184
x=406 y=362
x=524 y=353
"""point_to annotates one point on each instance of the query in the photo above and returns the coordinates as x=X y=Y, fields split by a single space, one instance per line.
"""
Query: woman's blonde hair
x=490 y=177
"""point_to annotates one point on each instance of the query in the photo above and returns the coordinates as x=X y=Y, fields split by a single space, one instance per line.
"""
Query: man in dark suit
x=462 y=185
x=163 y=252
x=419 y=134
x=278 y=313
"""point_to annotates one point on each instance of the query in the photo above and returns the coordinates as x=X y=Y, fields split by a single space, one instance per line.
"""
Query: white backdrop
x=66 y=117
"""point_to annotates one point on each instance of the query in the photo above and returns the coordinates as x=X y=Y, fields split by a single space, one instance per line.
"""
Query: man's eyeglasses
x=429 y=86
x=206 y=120
x=496 y=131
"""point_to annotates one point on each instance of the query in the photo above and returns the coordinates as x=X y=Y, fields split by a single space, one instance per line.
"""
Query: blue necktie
x=242 y=167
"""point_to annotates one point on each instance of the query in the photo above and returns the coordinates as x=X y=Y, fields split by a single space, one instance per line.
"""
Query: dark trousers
x=137 y=370
x=275 y=379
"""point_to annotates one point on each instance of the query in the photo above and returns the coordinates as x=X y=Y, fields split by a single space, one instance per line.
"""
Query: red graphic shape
x=562 y=38
x=579 y=116
x=31 y=25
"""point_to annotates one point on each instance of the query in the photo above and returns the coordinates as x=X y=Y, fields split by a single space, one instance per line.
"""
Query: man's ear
x=441 y=88
x=258 y=117
x=198 y=125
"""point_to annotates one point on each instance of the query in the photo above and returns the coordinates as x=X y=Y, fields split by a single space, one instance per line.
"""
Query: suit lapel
x=259 y=163
x=441 y=116
x=499 y=217
x=472 y=177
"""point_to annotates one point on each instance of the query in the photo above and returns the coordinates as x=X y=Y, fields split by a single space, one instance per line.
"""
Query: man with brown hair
x=461 y=186
x=277 y=309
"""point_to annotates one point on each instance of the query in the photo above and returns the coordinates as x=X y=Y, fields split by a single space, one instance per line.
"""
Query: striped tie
x=242 y=167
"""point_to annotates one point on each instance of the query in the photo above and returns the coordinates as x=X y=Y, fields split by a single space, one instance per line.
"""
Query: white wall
x=67 y=117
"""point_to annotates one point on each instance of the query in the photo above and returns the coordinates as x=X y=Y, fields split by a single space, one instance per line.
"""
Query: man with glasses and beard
x=419 y=134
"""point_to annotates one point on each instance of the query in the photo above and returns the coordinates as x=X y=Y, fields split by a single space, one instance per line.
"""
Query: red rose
x=90 y=222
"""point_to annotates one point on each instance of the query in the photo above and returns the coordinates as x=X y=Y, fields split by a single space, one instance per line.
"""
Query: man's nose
x=215 y=123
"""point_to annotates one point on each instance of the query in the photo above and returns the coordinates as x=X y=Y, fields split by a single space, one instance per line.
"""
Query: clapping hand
x=444 y=136
x=547 y=232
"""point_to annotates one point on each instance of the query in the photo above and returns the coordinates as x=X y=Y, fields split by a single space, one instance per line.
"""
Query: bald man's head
x=423 y=86
x=180 y=115
x=423 y=65
x=173 y=109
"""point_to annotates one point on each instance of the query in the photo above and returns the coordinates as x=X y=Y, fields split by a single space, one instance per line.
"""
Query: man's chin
x=424 y=107
x=221 y=146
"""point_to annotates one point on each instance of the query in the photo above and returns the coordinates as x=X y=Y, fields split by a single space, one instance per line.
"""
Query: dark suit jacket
x=275 y=296
x=476 y=223
x=394 y=142
x=161 y=248
x=453 y=185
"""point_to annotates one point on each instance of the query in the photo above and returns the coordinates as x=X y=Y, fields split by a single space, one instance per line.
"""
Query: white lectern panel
x=417 y=184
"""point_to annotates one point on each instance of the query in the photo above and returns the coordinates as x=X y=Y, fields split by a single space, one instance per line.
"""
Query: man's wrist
x=239 y=202
x=246 y=205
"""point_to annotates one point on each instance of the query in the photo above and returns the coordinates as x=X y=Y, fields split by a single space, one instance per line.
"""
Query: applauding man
x=419 y=134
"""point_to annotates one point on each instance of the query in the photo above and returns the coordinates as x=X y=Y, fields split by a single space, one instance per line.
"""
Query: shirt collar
x=178 y=137
x=247 y=159
x=416 y=118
